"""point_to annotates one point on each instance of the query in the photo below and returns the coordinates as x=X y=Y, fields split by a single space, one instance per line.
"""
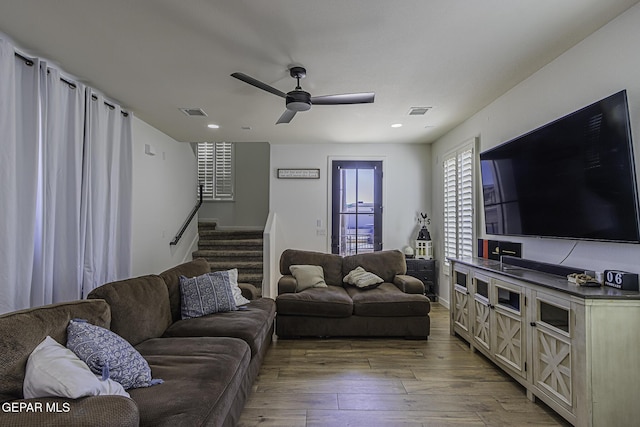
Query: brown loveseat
x=208 y=364
x=397 y=307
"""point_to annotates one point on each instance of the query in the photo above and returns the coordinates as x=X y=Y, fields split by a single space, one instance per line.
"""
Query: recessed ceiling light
x=396 y=125
x=212 y=126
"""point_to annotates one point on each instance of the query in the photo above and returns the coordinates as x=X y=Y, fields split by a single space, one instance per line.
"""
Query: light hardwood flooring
x=388 y=382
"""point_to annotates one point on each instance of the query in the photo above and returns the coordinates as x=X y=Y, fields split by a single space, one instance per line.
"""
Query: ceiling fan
x=299 y=100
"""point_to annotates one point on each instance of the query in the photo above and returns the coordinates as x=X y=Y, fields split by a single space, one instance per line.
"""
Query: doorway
x=356 y=207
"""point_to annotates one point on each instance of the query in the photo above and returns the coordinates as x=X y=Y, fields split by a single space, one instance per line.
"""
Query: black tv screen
x=572 y=178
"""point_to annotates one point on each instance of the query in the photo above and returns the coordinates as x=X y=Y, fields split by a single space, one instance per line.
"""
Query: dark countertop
x=558 y=283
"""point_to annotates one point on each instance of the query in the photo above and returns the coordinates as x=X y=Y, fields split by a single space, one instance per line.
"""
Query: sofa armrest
x=97 y=411
x=408 y=284
x=249 y=291
x=287 y=285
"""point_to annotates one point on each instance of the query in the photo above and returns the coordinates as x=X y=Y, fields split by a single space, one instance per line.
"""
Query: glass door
x=356 y=223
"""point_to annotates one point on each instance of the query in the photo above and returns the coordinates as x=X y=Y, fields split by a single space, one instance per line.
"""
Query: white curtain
x=57 y=270
x=106 y=193
x=65 y=186
x=18 y=176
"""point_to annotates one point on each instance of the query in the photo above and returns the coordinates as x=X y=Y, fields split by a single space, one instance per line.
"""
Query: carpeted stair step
x=229 y=234
x=229 y=255
x=249 y=266
x=244 y=244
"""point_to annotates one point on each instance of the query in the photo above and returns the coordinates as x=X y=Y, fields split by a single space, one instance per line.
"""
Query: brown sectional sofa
x=396 y=308
x=208 y=364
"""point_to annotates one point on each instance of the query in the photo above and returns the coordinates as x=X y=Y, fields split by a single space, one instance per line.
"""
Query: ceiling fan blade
x=258 y=84
x=286 y=116
x=346 y=98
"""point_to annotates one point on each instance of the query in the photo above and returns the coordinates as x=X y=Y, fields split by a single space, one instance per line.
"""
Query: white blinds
x=224 y=170
x=215 y=170
x=465 y=203
x=450 y=208
x=458 y=203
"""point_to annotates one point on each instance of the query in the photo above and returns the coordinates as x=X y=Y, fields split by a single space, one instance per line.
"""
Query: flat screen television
x=573 y=178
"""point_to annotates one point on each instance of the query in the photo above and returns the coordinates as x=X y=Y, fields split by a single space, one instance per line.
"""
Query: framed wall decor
x=298 y=173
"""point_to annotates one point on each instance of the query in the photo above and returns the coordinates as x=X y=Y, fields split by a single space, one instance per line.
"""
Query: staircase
x=232 y=248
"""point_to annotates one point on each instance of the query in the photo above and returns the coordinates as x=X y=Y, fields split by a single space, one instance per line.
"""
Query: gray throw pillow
x=109 y=355
x=206 y=294
x=362 y=279
x=308 y=276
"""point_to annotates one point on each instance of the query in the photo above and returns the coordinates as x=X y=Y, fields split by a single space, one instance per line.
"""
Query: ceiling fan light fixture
x=298 y=106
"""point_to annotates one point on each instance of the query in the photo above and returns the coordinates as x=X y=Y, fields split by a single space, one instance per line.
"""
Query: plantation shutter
x=465 y=203
x=450 y=209
x=224 y=170
x=215 y=170
x=458 y=203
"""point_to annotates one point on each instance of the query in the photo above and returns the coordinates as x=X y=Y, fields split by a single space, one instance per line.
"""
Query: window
x=215 y=170
x=458 y=202
x=356 y=205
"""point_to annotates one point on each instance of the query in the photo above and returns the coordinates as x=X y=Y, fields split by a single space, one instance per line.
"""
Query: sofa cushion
x=171 y=278
x=250 y=323
x=55 y=371
x=385 y=264
x=331 y=264
x=363 y=279
x=139 y=307
x=203 y=377
x=235 y=288
x=332 y=301
x=388 y=301
x=206 y=294
x=109 y=355
x=308 y=276
x=22 y=331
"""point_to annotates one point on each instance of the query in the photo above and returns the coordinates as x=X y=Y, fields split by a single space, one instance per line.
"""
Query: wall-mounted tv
x=572 y=178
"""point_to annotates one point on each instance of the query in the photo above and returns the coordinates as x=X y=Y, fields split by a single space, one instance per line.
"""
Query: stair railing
x=188 y=221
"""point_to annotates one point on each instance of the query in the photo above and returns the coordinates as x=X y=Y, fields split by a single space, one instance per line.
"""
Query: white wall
x=299 y=203
x=251 y=205
x=164 y=193
x=602 y=64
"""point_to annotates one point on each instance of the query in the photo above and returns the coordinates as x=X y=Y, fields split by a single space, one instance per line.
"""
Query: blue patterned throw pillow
x=206 y=294
x=109 y=355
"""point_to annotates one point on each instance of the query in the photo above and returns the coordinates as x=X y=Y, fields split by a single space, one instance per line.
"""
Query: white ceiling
x=156 y=56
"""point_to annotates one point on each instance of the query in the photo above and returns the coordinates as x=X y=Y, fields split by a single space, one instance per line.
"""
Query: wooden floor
x=388 y=382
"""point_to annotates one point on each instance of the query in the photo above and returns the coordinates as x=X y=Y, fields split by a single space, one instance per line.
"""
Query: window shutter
x=465 y=203
x=215 y=170
x=450 y=209
x=458 y=203
x=206 y=168
x=224 y=170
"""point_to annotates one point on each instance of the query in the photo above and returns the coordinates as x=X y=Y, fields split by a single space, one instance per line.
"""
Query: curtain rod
x=71 y=84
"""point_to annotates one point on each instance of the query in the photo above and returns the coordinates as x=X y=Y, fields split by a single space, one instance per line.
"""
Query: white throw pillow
x=237 y=292
x=308 y=276
x=362 y=279
x=55 y=371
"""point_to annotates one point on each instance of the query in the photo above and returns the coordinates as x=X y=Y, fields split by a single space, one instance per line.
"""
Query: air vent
x=418 y=111
x=194 y=112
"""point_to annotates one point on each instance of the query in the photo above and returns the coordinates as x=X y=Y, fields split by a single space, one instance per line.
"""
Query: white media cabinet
x=575 y=348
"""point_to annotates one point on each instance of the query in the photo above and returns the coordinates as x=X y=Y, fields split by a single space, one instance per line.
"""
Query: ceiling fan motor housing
x=298 y=100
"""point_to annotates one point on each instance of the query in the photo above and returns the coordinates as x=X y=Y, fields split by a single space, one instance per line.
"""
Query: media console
x=575 y=348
